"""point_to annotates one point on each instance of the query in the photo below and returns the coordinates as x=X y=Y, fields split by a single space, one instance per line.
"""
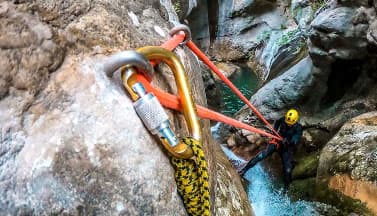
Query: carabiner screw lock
x=153 y=115
x=146 y=105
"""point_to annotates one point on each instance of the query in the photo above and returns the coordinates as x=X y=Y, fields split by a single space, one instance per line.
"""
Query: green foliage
x=286 y=38
x=317 y=4
x=177 y=6
x=264 y=36
x=301 y=44
x=283 y=26
x=297 y=12
x=306 y=167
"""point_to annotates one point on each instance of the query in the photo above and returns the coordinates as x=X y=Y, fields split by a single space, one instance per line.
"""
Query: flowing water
x=267 y=199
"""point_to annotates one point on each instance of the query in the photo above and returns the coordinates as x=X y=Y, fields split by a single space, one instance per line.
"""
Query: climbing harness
x=187 y=155
x=275 y=142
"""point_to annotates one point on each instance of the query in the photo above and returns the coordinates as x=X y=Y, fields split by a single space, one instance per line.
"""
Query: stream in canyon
x=268 y=199
x=246 y=81
x=266 y=196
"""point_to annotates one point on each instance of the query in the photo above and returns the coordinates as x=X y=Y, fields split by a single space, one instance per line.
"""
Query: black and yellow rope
x=191 y=175
x=192 y=180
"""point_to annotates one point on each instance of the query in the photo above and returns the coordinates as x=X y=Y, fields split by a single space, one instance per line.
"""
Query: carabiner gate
x=149 y=108
x=183 y=87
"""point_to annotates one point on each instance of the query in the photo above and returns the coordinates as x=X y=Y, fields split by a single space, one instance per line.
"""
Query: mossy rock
x=306 y=167
x=317 y=4
x=311 y=190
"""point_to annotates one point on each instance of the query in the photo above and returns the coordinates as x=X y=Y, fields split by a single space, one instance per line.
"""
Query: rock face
x=303 y=13
x=240 y=21
x=341 y=58
x=339 y=47
x=68 y=164
x=339 y=34
x=286 y=90
x=348 y=161
x=261 y=34
x=71 y=142
x=283 y=49
x=270 y=37
x=319 y=57
x=199 y=22
x=226 y=69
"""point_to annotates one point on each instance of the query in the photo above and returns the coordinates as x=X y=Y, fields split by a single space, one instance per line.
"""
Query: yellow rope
x=192 y=180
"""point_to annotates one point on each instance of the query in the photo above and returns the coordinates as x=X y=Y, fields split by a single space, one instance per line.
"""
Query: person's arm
x=297 y=135
x=278 y=123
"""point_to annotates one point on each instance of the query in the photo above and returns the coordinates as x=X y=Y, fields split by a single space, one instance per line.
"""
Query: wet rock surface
x=279 y=50
x=352 y=150
x=325 y=200
x=306 y=167
x=285 y=90
x=347 y=162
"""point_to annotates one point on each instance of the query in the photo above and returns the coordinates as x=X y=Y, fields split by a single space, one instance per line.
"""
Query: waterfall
x=214 y=131
x=266 y=199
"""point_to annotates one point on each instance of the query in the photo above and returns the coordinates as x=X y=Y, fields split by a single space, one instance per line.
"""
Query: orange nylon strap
x=173 y=102
x=170 y=44
x=173 y=42
x=208 y=62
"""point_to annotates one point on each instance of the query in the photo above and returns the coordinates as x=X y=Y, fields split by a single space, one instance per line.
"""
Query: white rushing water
x=266 y=199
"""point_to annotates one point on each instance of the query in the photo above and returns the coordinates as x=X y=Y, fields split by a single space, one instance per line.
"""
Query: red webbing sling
x=173 y=102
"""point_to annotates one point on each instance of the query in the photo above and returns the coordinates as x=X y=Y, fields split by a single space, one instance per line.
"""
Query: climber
x=291 y=131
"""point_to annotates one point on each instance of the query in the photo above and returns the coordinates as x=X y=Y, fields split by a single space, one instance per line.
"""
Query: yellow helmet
x=291 y=117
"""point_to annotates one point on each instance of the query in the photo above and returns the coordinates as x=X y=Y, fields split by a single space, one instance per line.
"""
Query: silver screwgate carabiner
x=146 y=105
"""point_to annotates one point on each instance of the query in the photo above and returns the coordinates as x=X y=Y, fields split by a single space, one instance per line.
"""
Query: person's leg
x=260 y=156
x=287 y=157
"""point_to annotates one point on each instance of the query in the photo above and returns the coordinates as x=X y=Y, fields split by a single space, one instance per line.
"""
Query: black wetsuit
x=291 y=138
